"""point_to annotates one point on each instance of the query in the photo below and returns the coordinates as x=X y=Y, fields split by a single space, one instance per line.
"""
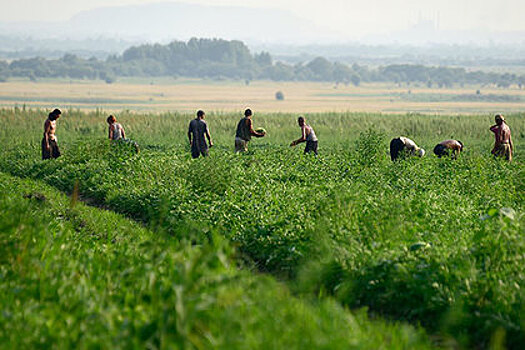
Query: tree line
x=222 y=59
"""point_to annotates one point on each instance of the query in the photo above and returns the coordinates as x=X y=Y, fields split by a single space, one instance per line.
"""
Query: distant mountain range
x=169 y=21
x=110 y=30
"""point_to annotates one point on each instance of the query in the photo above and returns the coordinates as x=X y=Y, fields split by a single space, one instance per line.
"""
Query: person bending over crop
x=503 y=144
x=307 y=135
x=400 y=144
x=448 y=146
x=197 y=132
x=49 y=142
x=115 y=130
x=244 y=132
x=116 y=133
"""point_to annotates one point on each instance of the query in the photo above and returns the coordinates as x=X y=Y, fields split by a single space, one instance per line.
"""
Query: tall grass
x=431 y=241
x=80 y=277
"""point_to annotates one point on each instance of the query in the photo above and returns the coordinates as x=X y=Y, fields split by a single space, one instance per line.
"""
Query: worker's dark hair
x=200 y=113
x=440 y=150
x=300 y=118
x=54 y=115
x=247 y=112
x=111 y=119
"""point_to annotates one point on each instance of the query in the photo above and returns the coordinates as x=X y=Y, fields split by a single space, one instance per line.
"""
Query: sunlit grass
x=429 y=241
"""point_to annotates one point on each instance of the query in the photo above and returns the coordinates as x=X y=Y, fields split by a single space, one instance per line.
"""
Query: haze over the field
x=271 y=21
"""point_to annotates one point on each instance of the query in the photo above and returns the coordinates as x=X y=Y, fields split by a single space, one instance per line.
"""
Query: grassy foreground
x=430 y=241
x=80 y=277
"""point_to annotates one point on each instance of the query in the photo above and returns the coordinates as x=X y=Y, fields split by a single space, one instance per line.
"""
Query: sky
x=349 y=17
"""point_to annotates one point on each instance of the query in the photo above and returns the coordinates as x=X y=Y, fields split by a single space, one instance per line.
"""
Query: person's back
x=503 y=141
x=117 y=131
x=409 y=144
x=197 y=134
x=243 y=129
x=501 y=133
x=310 y=133
x=198 y=128
x=452 y=144
x=444 y=147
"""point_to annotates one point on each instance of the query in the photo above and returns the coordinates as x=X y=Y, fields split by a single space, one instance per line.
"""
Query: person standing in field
x=400 y=144
x=307 y=135
x=446 y=147
x=503 y=144
x=244 y=132
x=49 y=142
x=115 y=130
x=197 y=132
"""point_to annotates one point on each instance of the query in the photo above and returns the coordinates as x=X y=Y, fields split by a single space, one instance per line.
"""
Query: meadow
x=170 y=94
x=270 y=249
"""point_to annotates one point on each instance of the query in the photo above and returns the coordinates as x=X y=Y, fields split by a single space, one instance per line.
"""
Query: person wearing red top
x=503 y=144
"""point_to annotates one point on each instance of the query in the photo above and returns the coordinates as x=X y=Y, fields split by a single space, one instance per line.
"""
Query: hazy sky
x=348 y=17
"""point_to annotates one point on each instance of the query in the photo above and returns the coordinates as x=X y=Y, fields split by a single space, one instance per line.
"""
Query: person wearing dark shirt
x=244 y=132
x=197 y=132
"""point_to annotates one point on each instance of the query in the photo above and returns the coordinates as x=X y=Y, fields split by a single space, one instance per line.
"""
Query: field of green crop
x=269 y=249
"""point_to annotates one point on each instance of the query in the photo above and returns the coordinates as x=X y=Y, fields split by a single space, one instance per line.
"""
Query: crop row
x=431 y=241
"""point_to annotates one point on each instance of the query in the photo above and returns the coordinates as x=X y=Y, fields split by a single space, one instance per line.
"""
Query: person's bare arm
x=208 y=136
x=47 y=129
x=253 y=132
x=110 y=132
x=510 y=143
x=123 y=132
x=301 y=139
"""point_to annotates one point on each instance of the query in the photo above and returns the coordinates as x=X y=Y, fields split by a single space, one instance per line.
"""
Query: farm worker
x=244 y=132
x=197 y=132
x=116 y=132
x=401 y=143
x=443 y=148
x=49 y=142
x=307 y=135
x=503 y=145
